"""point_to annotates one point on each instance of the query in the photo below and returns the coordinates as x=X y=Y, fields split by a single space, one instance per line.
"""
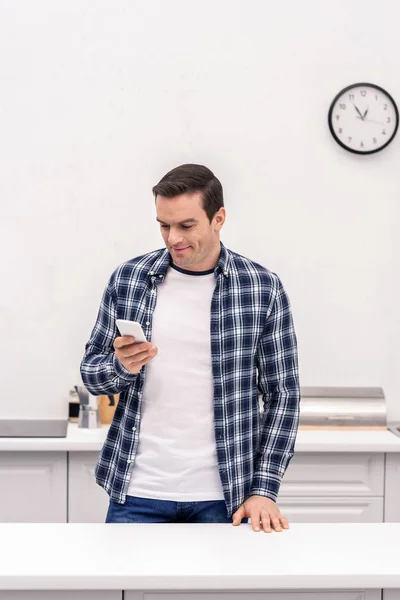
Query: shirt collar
x=160 y=267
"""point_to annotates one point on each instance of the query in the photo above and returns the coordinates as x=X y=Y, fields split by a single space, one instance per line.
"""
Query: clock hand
x=371 y=121
x=365 y=114
x=361 y=117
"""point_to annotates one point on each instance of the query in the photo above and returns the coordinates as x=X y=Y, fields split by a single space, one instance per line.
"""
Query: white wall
x=100 y=99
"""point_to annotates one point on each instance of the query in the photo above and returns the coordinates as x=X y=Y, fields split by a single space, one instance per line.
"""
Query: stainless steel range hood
x=343 y=407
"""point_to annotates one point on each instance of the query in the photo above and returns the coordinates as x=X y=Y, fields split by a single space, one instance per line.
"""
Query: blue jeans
x=148 y=510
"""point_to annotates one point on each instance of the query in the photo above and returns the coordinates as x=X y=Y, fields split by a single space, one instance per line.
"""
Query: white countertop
x=178 y=556
x=78 y=439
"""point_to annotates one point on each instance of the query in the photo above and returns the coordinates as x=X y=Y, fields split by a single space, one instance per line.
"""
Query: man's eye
x=183 y=226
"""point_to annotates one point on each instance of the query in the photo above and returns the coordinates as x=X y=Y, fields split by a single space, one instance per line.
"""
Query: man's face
x=184 y=225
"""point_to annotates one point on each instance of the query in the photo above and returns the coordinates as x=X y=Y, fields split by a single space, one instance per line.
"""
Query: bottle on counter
x=89 y=417
x=73 y=406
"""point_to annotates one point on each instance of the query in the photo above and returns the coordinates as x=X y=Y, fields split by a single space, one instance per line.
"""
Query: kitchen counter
x=79 y=439
x=177 y=556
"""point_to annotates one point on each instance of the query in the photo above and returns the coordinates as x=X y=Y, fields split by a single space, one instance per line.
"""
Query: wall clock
x=363 y=118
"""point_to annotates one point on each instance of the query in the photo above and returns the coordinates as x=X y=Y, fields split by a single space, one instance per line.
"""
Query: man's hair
x=192 y=178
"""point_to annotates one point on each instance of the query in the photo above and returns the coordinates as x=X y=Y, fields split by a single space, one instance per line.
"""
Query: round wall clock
x=363 y=118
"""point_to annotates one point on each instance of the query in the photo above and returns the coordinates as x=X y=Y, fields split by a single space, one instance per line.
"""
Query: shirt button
x=130 y=460
x=133 y=428
x=147 y=322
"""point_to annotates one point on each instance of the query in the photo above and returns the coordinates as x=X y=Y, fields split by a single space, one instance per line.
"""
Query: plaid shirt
x=253 y=351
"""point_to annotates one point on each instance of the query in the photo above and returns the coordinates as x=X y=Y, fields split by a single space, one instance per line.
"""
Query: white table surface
x=79 y=439
x=178 y=556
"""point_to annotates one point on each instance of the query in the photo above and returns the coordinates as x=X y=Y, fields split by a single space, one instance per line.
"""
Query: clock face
x=363 y=118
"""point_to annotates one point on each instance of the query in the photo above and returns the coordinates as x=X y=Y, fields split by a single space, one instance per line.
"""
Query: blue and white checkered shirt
x=253 y=351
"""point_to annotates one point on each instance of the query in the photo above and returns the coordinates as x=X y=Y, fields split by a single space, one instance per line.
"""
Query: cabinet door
x=250 y=595
x=87 y=501
x=62 y=595
x=391 y=594
x=33 y=487
x=331 y=510
x=334 y=474
x=392 y=488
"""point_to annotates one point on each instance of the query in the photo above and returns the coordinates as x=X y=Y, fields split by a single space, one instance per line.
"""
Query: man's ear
x=219 y=218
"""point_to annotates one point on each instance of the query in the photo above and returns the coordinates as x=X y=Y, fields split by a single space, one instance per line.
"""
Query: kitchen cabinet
x=62 y=595
x=334 y=476
x=251 y=595
x=392 y=488
x=87 y=501
x=337 y=487
x=333 y=488
x=212 y=595
x=33 y=487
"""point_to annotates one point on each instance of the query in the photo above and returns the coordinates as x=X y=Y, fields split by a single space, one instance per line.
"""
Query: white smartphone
x=131 y=328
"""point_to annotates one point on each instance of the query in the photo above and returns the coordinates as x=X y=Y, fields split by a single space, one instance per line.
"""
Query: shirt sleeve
x=278 y=382
x=101 y=371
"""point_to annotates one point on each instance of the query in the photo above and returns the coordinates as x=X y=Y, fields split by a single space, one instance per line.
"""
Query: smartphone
x=131 y=328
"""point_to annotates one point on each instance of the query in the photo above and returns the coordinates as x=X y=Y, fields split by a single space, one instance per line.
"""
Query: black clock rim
x=346 y=89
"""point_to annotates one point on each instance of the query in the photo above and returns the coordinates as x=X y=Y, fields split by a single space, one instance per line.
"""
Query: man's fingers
x=131 y=349
x=140 y=357
x=146 y=360
x=135 y=350
x=255 y=520
x=285 y=522
x=265 y=520
x=126 y=340
x=276 y=523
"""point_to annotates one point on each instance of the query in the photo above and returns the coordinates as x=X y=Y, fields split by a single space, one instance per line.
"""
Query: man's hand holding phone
x=132 y=352
x=133 y=355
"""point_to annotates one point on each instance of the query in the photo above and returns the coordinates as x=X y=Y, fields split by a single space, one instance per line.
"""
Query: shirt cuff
x=265 y=486
x=268 y=475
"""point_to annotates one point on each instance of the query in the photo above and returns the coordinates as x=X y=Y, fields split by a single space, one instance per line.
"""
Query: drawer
x=334 y=474
x=331 y=510
x=250 y=595
x=62 y=595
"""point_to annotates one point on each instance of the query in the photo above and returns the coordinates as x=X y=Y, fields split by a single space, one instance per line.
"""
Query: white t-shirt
x=176 y=458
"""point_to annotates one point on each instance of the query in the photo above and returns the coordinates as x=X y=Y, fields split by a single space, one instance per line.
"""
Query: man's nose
x=175 y=238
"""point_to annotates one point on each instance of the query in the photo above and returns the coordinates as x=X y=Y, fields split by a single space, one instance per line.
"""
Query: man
x=220 y=331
